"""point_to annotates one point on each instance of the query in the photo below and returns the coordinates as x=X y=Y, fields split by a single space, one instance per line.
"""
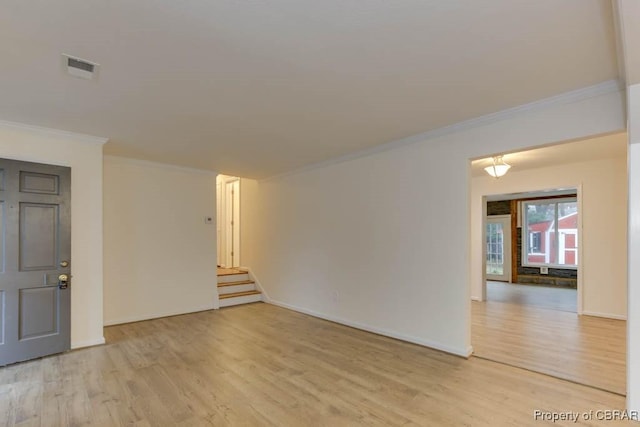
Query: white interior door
x=498 y=248
x=219 y=218
x=232 y=223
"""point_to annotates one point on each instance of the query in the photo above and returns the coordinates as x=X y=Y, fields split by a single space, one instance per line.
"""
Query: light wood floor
x=222 y=271
x=552 y=298
x=259 y=364
x=588 y=350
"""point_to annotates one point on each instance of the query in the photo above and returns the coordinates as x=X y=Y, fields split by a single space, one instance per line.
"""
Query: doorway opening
x=531 y=249
x=228 y=221
x=555 y=300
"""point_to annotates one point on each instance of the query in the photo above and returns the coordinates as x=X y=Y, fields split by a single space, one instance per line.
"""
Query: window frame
x=526 y=235
x=531 y=235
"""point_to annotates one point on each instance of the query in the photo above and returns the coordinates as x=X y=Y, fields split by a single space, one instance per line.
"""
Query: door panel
x=236 y=224
x=1 y=236
x=41 y=183
x=232 y=223
x=38 y=312
x=38 y=236
x=35 y=236
x=219 y=217
x=228 y=219
x=1 y=318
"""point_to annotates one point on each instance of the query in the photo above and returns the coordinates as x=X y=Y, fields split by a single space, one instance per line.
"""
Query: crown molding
x=621 y=48
x=603 y=88
x=152 y=164
x=80 y=137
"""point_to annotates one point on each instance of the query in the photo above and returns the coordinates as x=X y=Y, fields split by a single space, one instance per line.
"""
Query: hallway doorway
x=228 y=220
x=562 y=312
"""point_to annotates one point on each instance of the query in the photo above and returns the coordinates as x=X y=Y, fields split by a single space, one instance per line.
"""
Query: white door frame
x=230 y=220
x=228 y=207
x=219 y=222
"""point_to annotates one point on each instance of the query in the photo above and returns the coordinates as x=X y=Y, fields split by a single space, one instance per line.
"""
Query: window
x=535 y=239
x=551 y=236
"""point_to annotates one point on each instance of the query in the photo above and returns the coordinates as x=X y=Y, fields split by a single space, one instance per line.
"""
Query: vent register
x=80 y=67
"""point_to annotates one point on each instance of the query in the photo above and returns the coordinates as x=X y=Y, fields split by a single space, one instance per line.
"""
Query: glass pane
x=495 y=249
x=567 y=233
x=540 y=232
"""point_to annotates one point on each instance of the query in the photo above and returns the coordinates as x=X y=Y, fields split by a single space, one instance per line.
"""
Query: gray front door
x=35 y=249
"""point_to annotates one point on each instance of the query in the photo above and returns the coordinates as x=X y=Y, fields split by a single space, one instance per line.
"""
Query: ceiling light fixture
x=498 y=168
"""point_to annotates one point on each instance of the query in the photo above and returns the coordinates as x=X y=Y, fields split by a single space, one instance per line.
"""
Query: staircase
x=235 y=287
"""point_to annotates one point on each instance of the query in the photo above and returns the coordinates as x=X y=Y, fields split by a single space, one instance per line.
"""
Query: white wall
x=159 y=255
x=380 y=242
x=249 y=219
x=604 y=243
x=84 y=155
x=633 y=321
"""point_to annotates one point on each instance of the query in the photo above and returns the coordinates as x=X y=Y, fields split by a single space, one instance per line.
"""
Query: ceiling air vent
x=80 y=67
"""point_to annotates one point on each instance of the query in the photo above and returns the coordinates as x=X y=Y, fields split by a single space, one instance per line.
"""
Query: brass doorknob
x=63 y=281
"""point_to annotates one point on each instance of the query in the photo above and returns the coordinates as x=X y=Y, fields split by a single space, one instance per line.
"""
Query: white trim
x=633 y=251
x=231 y=221
x=140 y=318
x=89 y=343
x=476 y=298
x=463 y=352
x=498 y=216
x=554 y=266
x=149 y=163
x=621 y=42
x=81 y=137
x=580 y=238
x=605 y=315
x=216 y=300
x=603 y=88
x=483 y=244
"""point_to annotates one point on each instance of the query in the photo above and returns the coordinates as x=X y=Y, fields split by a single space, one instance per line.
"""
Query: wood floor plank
x=263 y=365
x=588 y=350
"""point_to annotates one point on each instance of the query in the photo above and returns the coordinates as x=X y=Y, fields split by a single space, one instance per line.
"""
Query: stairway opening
x=236 y=287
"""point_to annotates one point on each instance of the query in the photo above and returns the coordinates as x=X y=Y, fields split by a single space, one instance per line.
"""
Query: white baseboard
x=141 y=317
x=605 y=315
x=464 y=352
x=469 y=351
x=476 y=299
x=88 y=343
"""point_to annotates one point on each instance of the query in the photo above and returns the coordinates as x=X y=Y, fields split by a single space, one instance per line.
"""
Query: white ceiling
x=255 y=87
x=602 y=147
